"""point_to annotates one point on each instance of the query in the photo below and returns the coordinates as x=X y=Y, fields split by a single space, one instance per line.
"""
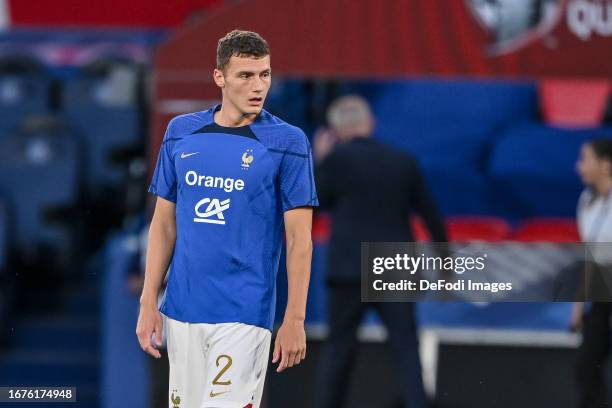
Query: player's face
x=590 y=167
x=246 y=82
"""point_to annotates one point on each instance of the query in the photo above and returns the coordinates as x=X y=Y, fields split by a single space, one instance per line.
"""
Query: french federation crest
x=247 y=159
x=175 y=399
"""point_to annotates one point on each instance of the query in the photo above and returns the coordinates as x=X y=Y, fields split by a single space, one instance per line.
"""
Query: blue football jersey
x=231 y=186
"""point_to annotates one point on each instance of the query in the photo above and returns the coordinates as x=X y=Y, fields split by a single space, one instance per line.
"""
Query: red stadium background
x=396 y=38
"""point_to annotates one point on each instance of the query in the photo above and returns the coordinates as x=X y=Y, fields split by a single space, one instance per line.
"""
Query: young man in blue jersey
x=230 y=181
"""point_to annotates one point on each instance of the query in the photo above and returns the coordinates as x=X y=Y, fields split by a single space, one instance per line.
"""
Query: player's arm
x=426 y=207
x=160 y=248
x=577 y=316
x=290 y=344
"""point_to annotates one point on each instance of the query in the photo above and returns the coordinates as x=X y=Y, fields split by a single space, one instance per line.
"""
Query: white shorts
x=216 y=365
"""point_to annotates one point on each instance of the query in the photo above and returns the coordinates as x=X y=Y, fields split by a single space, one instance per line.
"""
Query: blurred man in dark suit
x=371 y=191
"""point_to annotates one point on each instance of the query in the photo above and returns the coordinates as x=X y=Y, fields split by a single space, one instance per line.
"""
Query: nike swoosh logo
x=216 y=394
x=183 y=155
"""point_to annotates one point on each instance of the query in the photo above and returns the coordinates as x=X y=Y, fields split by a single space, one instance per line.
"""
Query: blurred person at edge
x=595 y=226
x=371 y=191
x=157 y=367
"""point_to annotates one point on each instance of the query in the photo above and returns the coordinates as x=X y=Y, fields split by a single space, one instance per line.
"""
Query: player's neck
x=603 y=187
x=228 y=116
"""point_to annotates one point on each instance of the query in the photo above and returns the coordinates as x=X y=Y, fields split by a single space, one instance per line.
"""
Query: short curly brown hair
x=241 y=44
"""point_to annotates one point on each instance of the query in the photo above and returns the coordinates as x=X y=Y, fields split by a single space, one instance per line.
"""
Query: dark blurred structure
x=71 y=171
x=470 y=373
x=40 y=179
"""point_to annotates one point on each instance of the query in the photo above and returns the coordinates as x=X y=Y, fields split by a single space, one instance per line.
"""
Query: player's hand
x=324 y=142
x=149 y=323
x=576 y=319
x=290 y=345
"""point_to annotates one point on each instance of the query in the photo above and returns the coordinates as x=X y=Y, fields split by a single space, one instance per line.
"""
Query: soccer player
x=228 y=180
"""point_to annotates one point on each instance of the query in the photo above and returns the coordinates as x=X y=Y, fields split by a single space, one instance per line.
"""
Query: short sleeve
x=297 y=186
x=163 y=183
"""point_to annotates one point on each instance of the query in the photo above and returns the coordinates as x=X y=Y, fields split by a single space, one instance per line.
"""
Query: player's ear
x=219 y=78
x=372 y=123
x=607 y=166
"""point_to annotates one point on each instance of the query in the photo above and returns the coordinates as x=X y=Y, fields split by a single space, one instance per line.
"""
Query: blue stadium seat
x=533 y=170
x=447 y=124
x=288 y=99
x=39 y=171
x=490 y=104
x=105 y=112
x=460 y=190
x=21 y=95
x=428 y=104
x=442 y=145
x=501 y=315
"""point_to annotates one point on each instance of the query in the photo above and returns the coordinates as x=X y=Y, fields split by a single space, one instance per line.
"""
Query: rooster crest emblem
x=175 y=399
x=247 y=159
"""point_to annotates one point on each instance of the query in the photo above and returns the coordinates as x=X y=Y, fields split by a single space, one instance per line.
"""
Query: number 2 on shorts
x=228 y=364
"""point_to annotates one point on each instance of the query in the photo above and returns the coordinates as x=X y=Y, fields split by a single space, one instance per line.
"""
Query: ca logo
x=214 y=208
